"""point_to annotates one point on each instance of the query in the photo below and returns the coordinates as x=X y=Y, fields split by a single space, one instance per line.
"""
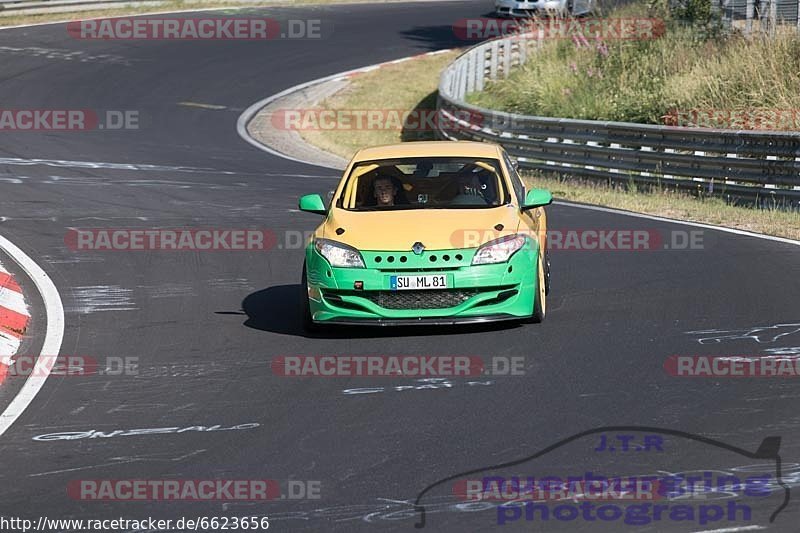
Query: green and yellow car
x=427 y=233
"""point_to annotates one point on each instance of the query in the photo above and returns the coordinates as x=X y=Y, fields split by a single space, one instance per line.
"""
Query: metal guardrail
x=756 y=165
x=767 y=13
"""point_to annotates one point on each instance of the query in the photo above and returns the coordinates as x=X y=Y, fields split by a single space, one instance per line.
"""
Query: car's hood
x=436 y=229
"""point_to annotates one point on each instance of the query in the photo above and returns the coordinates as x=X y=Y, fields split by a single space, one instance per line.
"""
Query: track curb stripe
x=7 y=281
x=14 y=318
x=53 y=333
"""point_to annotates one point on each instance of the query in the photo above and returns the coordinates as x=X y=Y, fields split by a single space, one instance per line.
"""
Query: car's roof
x=428 y=149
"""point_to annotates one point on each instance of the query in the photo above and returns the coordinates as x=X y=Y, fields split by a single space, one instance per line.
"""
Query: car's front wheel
x=540 y=299
x=305 y=308
x=546 y=273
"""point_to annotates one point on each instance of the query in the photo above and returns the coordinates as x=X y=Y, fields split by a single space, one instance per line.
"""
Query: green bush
x=695 y=11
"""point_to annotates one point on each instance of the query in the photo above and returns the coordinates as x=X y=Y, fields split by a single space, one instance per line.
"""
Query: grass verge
x=389 y=88
x=386 y=90
x=691 y=75
x=672 y=204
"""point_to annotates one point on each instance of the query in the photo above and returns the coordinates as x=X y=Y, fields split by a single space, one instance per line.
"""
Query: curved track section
x=202 y=328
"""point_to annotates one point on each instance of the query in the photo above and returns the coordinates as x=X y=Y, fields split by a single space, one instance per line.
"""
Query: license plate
x=404 y=283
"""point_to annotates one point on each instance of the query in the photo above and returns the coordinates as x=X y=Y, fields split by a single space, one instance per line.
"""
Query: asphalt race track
x=205 y=326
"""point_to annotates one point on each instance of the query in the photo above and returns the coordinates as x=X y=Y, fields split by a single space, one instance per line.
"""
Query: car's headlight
x=498 y=250
x=338 y=254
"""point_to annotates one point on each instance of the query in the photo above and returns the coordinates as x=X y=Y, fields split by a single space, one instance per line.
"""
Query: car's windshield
x=424 y=183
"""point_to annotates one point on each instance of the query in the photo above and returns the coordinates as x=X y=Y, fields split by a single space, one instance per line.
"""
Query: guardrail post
x=523 y=49
x=470 y=72
x=449 y=82
x=494 y=51
x=727 y=13
x=462 y=81
x=773 y=16
x=751 y=7
x=480 y=69
x=457 y=82
x=507 y=58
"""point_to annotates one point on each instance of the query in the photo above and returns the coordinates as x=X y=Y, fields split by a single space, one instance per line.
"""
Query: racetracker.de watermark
x=26 y=366
x=588 y=487
x=622 y=240
x=602 y=29
x=419 y=366
x=315 y=119
x=67 y=120
x=181 y=239
x=733 y=366
x=192 y=489
x=198 y=29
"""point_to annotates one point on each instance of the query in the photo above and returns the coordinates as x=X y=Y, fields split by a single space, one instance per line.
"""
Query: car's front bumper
x=479 y=293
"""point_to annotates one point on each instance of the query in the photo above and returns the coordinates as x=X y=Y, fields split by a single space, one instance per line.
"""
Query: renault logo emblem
x=418 y=248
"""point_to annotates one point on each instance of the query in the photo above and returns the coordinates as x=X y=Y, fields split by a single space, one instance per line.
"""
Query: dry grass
x=387 y=88
x=647 y=81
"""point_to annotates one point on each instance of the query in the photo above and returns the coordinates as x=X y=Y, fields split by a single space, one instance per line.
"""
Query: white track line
x=54 y=334
x=250 y=112
x=732 y=529
x=682 y=222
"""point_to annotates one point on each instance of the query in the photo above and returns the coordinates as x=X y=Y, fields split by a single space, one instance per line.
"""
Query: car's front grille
x=420 y=299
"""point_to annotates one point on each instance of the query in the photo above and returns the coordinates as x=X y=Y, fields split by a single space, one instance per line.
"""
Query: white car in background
x=527 y=8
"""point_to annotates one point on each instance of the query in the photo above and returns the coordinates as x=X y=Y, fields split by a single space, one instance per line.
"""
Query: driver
x=384 y=191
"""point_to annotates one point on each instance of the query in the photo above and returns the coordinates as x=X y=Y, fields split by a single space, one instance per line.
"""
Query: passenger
x=470 y=191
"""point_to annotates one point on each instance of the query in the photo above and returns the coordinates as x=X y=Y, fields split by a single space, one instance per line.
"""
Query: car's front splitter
x=430 y=321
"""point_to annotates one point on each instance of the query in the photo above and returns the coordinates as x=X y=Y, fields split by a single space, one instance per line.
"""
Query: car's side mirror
x=312 y=203
x=537 y=198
